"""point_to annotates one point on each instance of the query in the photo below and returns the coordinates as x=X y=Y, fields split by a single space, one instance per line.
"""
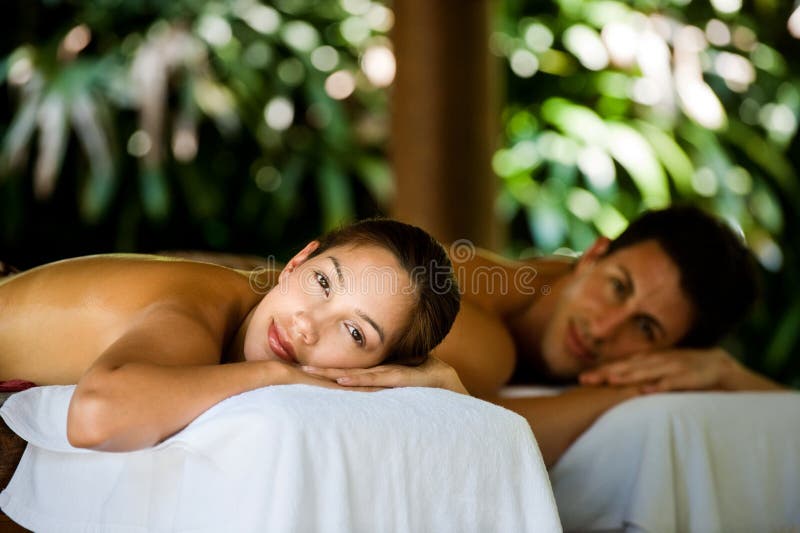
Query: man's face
x=616 y=306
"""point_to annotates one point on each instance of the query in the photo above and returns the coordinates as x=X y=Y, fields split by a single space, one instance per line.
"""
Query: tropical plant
x=223 y=122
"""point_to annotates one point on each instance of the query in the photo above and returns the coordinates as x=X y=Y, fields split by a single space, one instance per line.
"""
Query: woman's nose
x=304 y=328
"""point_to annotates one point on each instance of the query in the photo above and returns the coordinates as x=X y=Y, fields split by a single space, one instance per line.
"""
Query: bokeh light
x=378 y=63
x=279 y=113
x=263 y=19
x=215 y=30
x=325 y=58
x=340 y=84
x=77 y=39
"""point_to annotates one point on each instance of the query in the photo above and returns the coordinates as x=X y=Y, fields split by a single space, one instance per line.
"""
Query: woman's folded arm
x=156 y=378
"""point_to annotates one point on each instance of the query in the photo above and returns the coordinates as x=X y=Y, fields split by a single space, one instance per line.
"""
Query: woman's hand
x=432 y=373
x=281 y=373
x=679 y=369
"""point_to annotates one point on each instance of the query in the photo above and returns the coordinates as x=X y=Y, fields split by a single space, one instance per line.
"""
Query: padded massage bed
x=703 y=462
x=290 y=458
x=11 y=448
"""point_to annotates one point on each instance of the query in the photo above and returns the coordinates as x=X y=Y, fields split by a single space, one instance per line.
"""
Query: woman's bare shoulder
x=86 y=304
x=132 y=280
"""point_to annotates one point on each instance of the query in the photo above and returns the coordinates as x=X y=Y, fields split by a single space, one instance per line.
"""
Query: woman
x=144 y=337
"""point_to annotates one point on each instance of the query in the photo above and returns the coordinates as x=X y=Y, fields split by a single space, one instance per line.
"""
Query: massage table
x=701 y=462
x=704 y=462
x=11 y=448
x=290 y=458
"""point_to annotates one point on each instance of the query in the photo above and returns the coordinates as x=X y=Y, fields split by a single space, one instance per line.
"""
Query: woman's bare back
x=56 y=320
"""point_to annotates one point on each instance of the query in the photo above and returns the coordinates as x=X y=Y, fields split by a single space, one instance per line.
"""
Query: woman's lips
x=575 y=345
x=279 y=345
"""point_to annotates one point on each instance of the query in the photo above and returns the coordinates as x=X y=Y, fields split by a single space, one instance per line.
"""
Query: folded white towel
x=290 y=458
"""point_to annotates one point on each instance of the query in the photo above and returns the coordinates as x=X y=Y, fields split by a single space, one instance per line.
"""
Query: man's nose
x=305 y=329
x=607 y=323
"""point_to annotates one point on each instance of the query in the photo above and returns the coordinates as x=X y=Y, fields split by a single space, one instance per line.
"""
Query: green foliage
x=141 y=124
x=614 y=107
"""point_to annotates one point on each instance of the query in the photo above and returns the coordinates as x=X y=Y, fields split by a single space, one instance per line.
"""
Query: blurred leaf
x=548 y=224
x=765 y=155
x=52 y=119
x=635 y=155
x=17 y=138
x=155 y=195
x=335 y=196
x=96 y=196
x=785 y=338
x=610 y=222
x=577 y=121
x=377 y=177
x=99 y=187
x=202 y=197
x=292 y=176
x=671 y=155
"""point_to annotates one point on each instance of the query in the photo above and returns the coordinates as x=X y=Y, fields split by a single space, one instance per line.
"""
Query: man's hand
x=432 y=373
x=680 y=369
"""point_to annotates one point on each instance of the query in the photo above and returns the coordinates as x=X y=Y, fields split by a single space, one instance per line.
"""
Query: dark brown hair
x=432 y=279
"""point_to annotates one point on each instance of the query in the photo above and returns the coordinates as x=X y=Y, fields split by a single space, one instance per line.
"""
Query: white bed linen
x=689 y=462
x=290 y=458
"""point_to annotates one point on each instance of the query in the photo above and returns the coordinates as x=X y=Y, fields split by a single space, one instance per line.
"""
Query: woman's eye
x=358 y=338
x=323 y=282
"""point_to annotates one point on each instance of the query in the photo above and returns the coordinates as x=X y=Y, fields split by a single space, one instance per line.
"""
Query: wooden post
x=444 y=118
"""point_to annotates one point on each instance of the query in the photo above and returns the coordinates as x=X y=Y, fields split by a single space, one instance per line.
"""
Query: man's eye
x=618 y=286
x=323 y=282
x=358 y=338
x=646 y=327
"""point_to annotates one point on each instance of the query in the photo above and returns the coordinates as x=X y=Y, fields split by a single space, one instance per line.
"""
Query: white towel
x=694 y=462
x=290 y=458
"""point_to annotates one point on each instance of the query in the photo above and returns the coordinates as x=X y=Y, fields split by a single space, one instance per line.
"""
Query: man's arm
x=681 y=369
x=557 y=421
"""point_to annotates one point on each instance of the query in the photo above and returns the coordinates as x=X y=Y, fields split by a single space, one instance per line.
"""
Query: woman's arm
x=159 y=376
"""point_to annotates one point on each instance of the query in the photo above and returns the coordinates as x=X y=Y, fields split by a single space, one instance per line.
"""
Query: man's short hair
x=717 y=271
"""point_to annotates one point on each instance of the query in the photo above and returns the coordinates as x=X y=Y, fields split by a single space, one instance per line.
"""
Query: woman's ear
x=299 y=258
x=597 y=250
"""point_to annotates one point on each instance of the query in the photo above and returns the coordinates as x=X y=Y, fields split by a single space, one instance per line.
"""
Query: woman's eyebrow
x=337 y=267
x=372 y=323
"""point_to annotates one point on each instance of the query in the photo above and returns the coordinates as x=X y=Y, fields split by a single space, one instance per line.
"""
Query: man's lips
x=575 y=344
x=279 y=344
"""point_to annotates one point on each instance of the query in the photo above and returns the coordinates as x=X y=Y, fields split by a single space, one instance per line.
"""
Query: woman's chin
x=258 y=355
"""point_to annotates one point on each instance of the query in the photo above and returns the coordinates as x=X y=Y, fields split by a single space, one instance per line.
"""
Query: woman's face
x=340 y=309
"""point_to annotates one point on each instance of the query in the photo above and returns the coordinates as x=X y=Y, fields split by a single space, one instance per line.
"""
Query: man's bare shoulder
x=505 y=287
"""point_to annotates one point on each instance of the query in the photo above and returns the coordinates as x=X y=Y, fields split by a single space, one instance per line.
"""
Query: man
x=638 y=315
